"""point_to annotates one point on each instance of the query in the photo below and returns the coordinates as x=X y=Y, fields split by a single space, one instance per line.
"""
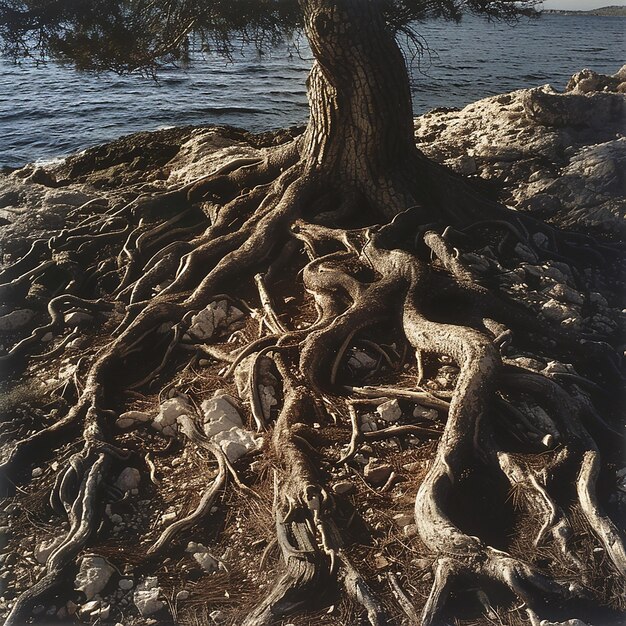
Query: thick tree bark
x=360 y=131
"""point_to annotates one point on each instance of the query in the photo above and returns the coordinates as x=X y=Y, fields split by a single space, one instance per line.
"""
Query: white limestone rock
x=93 y=575
x=166 y=421
x=207 y=562
x=237 y=442
x=565 y=294
x=222 y=423
x=146 y=596
x=76 y=318
x=206 y=151
x=389 y=411
x=205 y=323
x=217 y=316
x=264 y=374
x=404 y=519
x=128 y=419
x=204 y=558
x=220 y=413
x=577 y=136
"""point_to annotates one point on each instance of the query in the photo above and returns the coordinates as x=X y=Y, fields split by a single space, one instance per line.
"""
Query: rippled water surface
x=50 y=111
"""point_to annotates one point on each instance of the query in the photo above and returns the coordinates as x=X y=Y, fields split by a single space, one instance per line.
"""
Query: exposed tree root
x=158 y=262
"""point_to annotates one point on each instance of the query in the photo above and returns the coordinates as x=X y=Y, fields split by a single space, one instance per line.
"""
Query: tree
x=379 y=223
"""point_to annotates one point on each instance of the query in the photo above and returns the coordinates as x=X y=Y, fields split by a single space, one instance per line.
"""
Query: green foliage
x=127 y=35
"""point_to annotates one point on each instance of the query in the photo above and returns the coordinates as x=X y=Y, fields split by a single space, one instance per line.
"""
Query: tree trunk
x=360 y=131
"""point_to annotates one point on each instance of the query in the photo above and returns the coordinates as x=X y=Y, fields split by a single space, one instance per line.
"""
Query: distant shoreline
x=609 y=11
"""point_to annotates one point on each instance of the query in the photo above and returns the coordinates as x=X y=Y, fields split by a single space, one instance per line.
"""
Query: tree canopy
x=127 y=35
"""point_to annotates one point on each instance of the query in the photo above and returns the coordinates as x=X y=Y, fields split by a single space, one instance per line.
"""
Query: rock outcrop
x=560 y=155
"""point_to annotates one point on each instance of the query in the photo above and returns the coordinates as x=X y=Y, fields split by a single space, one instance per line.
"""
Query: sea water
x=50 y=110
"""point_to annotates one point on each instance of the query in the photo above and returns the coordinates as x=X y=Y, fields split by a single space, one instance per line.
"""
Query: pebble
x=125 y=584
x=344 y=487
x=403 y=519
x=129 y=479
x=217 y=616
x=37 y=471
x=377 y=474
x=146 y=596
x=389 y=411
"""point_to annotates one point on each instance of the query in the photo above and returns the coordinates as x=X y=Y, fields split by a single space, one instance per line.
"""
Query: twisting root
x=208 y=497
x=601 y=524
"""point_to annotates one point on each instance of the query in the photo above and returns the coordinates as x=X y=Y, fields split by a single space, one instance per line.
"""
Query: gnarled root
x=362 y=290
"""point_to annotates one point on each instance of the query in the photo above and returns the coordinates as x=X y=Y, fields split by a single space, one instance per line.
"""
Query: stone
x=207 y=562
x=206 y=322
x=46 y=548
x=264 y=370
x=129 y=479
x=380 y=561
x=344 y=487
x=557 y=312
x=217 y=617
x=168 y=517
x=146 y=596
x=125 y=584
x=77 y=318
x=525 y=253
x=169 y=411
x=555 y=367
x=222 y=423
x=404 y=519
x=565 y=294
x=88 y=608
x=220 y=413
x=16 y=319
x=577 y=136
x=367 y=423
x=389 y=411
x=377 y=474
x=410 y=530
x=128 y=419
x=424 y=412
x=182 y=595
x=267 y=395
x=93 y=575
x=237 y=442
x=360 y=360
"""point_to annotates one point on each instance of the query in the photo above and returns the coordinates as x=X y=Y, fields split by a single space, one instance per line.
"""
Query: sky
x=581 y=5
